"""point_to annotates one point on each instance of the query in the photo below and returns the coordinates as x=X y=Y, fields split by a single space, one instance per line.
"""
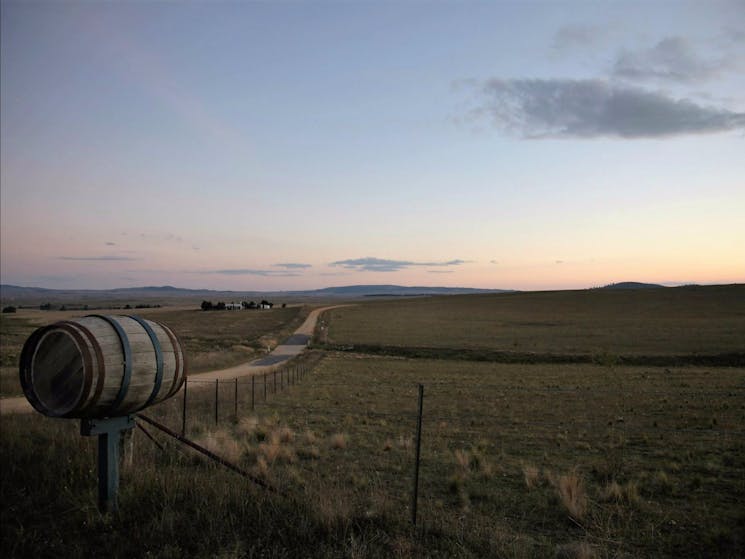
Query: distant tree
x=45 y=307
x=253 y=305
x=127 y=306
x=284 y=305
x=63 y=308
x=9 y=309
x=220 y=306
x=206 y=305
x=244 y=305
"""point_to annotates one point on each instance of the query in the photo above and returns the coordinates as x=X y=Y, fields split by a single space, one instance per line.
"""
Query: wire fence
x=430 y=451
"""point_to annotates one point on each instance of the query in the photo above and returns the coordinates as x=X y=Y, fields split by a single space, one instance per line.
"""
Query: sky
x=300 y=145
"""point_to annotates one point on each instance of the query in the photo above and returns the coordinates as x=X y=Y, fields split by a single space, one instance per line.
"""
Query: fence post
x=183 y=409
x=235 y=407
x=217 y=387
x=265 y=387
x=253 y=387
x=275 y=381
x=415 y=491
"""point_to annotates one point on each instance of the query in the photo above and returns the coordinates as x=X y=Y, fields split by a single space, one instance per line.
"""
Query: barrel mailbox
x=101 y=366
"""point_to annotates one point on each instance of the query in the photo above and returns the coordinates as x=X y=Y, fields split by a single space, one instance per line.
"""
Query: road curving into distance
x=291 y=347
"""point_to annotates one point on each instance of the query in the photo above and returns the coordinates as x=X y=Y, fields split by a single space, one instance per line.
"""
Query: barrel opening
x=58 y=375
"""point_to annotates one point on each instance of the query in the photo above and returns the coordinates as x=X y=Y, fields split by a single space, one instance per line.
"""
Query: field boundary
x=734 y=359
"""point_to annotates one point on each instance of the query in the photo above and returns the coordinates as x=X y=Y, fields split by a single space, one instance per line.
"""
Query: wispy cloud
x=673 y=59
x=105 y=258
x=110 y=244
x=579 y=35
x=250 y=272
x=371 y=264
x=293 y=266
x=563 y=108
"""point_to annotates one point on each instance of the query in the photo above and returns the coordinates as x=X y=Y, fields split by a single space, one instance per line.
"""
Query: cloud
x=293 y=266
x=563 y=108
x=370 y=264
x=673 y=59
x=250 y=272
x=440 y=271
x=110 y=244
x=578 y=35
x=107 y=258
x=493 y=262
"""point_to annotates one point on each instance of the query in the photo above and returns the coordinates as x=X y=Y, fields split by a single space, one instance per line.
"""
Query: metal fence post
x=217 y=399
x=415 y=491
x=183 y=409
x=235 y=402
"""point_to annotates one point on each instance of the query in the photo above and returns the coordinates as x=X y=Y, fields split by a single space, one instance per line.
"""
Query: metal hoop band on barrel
x=158 y=359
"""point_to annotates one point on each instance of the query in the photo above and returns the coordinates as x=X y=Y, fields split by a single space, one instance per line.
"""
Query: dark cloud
x=562 y=108
x=672 y=59
x=108 y=258
x=370 y=264
x=293 y=266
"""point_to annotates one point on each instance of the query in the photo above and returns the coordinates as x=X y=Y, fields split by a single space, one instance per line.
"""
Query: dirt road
x=293 y=346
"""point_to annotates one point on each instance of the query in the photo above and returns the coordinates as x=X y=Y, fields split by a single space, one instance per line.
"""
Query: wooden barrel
x=101 y=366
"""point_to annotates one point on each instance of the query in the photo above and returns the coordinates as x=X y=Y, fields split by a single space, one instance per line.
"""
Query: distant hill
x=631 y=285
x=393 y=291
x=36 y=295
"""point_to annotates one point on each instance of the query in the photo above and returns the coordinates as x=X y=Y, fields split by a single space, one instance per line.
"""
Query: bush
x=9 y=309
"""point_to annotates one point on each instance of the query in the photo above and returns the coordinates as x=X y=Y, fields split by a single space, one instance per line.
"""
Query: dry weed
x=532 y=476
x=222 y=443
x=575 y=550
x=338 y=440
x=572 y=494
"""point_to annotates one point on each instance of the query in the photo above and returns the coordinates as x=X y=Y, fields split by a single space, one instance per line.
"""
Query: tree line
x=221 y=306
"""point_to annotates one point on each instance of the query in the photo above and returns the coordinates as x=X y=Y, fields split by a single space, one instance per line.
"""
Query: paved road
x=293 y=346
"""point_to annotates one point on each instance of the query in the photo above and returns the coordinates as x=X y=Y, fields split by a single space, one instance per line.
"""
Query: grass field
x=212 y=339
x=571 y=460
x=687 y=321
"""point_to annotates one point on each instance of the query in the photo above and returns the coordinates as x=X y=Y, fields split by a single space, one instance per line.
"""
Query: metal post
x=235 y=407
x=415 y=492
x=183 y=409
x=109 y=431
x=217 y=387
x=253 y=389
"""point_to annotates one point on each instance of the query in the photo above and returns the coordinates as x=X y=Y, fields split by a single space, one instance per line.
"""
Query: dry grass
x=571 y=491
x=605 y=323
x=532 y=476
x=338 y=441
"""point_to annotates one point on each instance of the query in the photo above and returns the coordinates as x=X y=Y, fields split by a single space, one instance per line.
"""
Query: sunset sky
x=299 y=145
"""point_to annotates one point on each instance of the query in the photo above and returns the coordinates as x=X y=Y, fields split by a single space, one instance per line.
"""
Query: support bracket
x=109 y=432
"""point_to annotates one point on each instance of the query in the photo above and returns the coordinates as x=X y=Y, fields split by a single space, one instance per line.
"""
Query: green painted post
x=109 y=432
